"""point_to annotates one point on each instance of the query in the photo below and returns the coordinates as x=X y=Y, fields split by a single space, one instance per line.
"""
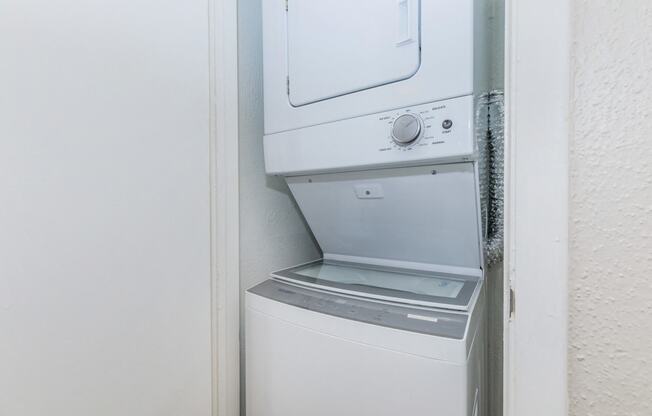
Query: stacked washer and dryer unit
x=369 y=115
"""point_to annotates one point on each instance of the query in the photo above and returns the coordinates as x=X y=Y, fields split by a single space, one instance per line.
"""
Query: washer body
x=310 y=352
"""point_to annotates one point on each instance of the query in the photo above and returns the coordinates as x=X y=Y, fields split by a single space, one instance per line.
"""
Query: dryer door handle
x=406 y=22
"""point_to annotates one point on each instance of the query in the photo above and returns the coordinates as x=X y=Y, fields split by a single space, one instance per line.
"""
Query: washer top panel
x=423 y=321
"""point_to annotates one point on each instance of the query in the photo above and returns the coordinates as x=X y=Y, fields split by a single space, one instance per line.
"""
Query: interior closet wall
x=273 y=234
x=104 y=208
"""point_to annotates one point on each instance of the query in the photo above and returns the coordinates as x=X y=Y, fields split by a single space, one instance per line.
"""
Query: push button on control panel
x=447 y=124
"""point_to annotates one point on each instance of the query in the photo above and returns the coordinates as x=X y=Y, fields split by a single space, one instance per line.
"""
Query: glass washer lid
x=399 y=285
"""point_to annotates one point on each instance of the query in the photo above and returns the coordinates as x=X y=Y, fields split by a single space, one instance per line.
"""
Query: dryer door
x=338 y=47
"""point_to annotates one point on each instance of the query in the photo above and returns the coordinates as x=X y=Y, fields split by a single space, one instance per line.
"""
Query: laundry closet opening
x=370 y=188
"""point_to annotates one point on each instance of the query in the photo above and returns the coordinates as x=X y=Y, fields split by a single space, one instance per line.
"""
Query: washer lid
x=338 y=47
x=421 y=218
x=422 y=288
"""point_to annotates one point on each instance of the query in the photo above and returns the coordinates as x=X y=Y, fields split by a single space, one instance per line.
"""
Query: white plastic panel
x=365 y=142
x=337 y=47
x=426 y=214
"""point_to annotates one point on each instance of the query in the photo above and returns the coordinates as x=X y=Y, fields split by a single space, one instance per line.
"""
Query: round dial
x=406 y=129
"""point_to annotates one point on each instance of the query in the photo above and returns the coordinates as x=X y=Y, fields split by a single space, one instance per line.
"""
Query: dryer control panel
x=423 y=125
x=428 y=133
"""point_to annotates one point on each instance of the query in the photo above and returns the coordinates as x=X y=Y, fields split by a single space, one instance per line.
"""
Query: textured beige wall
x=610 y=352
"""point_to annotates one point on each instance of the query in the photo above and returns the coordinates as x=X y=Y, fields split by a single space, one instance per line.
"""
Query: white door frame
x=538 y=41
x=538 y=101
x=225 y=230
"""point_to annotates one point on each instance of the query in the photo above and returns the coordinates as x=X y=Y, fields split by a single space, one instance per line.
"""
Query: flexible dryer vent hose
x=490 y=115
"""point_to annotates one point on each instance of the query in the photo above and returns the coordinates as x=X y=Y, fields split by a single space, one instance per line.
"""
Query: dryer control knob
x=406 y=129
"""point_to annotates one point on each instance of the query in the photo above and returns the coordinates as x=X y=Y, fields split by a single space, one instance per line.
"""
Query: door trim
x=538 y=80
x=225 y=225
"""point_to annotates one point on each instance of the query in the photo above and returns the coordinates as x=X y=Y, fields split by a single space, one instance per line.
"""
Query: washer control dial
x=406 y=129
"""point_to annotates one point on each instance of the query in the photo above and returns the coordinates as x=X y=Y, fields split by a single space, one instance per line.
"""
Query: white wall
x=273 y=234
x=610 y=354
x=104 y=212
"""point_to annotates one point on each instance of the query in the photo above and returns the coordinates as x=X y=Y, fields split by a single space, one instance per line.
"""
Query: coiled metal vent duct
x=490 y=115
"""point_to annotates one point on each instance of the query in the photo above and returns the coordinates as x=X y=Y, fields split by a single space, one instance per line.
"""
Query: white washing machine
x=318 y=353
x=369 y=116
x=391 y=320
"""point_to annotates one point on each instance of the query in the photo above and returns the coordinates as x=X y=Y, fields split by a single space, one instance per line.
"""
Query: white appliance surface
x=332 y=40
x=318 y=354
x=405 y=286
x=427 y=216
x=420 y=285
x=365 y=142
x=333 y=60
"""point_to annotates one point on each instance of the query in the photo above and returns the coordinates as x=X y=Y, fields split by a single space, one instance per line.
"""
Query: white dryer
x=339 y=73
